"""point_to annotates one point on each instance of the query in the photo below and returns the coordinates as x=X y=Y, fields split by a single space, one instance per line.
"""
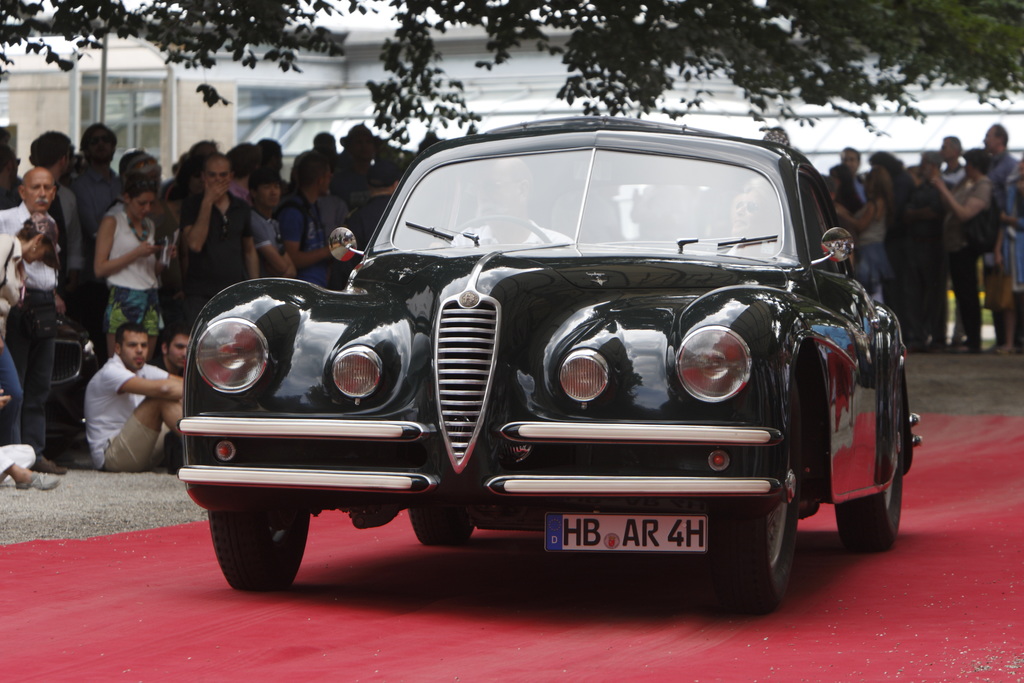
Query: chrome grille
x=466 y=338
x=67 y=361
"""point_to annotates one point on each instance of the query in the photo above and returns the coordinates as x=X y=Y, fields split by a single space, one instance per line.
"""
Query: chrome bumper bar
x=286 y=428
x=536 y=485
x=306 y=479
x=568 y=432
x=589 y=432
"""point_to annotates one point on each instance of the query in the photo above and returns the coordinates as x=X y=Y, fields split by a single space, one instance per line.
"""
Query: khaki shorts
x=134 y=449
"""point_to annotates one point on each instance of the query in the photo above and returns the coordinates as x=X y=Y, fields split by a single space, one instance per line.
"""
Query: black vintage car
x=630 y=337
x=74 y=364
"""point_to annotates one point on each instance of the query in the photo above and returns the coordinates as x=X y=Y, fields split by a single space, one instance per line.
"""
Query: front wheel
x=752 y=559
x=259 y=551
x=870 y=524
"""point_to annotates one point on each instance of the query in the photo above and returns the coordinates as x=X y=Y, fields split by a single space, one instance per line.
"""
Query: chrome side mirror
x=342 y=244
x=837 y=243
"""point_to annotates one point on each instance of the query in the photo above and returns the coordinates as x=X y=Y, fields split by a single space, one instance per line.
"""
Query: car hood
x=548 y=301
x=596 y=269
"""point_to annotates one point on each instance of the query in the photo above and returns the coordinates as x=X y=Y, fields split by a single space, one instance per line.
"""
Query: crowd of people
x=133 y=258
x=917 y=231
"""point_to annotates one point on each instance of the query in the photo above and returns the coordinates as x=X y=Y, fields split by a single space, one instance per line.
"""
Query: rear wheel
x=871 y=524
x=752 y=559
x=259 y=551
x=441 y=525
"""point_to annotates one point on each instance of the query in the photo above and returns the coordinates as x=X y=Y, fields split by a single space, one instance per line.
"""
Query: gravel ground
x=90 y=503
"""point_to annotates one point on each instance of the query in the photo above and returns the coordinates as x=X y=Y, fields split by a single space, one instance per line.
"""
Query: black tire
x=752 y=559
x=871 y=524
x=259 y=551
x=441 y=525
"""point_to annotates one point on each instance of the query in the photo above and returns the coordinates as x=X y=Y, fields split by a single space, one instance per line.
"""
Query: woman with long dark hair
x=846 y=189
x=868 y=225
x=127 y=256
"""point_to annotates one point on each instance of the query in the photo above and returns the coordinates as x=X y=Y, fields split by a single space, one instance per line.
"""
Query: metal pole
x=102 y=118
x=75 y=104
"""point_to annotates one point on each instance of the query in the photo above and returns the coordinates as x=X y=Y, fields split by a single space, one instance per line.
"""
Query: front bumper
x=575 y=432
x=509 y=485
x=391 y=482
x=291 y=428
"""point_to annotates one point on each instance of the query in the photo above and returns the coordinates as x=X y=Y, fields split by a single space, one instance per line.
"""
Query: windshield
x=627 y=200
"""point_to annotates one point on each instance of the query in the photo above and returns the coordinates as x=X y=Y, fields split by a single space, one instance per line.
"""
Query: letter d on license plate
x=627 y=533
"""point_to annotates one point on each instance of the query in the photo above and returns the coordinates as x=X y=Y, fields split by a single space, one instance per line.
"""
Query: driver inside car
x=503 y=215
x=749 y=208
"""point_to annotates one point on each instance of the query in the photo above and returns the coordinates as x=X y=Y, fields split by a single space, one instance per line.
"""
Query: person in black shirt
x=217 y=232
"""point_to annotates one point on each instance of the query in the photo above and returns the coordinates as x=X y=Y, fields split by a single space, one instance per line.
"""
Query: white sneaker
x=43 y=482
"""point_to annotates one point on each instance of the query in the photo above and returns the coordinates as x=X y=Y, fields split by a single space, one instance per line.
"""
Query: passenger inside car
x=504 y=208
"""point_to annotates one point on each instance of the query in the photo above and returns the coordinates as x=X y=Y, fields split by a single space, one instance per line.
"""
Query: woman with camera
x=36 y=241
x=128 y=256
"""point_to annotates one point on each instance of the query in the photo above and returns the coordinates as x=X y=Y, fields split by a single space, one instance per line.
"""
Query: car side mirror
x=342 y=244
x=837 y=243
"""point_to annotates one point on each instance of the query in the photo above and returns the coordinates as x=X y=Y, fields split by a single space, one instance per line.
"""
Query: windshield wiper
x=448 y=237
x=748 y=240
x=686 y=241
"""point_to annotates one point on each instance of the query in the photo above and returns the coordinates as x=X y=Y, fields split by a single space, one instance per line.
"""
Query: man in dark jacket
x=382 y=178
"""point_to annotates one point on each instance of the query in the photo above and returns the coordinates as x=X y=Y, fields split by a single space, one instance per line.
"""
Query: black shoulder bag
x=982 y=230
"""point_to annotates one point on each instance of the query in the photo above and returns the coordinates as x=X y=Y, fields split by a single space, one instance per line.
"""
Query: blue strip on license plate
x=626 y=533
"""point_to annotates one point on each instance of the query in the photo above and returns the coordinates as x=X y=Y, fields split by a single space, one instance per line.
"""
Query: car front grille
x=466 y=339
x=67 y=361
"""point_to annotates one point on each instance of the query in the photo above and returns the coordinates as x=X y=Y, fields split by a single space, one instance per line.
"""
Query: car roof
x=580 y=123
x=621 y=128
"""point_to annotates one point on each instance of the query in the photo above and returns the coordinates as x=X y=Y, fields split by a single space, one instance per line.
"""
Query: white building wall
x=197 y=121
x=38 y=103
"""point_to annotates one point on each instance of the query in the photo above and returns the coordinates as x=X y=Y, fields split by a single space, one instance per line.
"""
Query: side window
x=817 y=216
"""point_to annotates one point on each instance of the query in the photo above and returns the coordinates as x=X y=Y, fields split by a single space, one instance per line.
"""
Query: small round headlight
x=357 y=371
x=231 y=355
x=713 y=363
x=583 y=375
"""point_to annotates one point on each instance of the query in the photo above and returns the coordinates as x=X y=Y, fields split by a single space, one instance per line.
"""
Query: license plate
x=627 y=533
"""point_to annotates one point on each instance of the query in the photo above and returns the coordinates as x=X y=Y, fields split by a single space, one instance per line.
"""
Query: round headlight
x=583 y=375
x=357 y=371
x=231 y=355
x=713 y=363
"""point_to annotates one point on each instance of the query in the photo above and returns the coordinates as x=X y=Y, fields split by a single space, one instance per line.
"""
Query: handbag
x=998 y=291
x=7 y=262
x=982 y=230
x=39 y=321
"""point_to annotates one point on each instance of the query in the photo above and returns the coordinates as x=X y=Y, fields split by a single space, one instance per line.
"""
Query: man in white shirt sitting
x=128 y=403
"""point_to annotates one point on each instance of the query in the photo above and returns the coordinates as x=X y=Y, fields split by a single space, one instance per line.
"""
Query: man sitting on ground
x=127 y=403
x=173 y=348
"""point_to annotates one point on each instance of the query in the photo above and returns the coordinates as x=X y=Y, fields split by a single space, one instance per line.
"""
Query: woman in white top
x=36 y=241
x=127 y=256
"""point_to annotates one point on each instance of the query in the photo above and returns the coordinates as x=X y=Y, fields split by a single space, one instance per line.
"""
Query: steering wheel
x=483 y=220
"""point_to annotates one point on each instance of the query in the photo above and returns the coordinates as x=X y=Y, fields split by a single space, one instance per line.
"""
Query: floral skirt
x=132 y=306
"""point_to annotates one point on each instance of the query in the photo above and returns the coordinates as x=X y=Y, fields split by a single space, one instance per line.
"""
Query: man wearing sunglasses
x=98 y=186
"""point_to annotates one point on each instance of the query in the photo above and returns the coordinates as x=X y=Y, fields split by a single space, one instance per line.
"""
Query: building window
x=255 y=104
x=132 y=112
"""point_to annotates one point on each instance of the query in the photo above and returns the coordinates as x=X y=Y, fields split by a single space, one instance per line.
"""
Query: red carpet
x=947 y=603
